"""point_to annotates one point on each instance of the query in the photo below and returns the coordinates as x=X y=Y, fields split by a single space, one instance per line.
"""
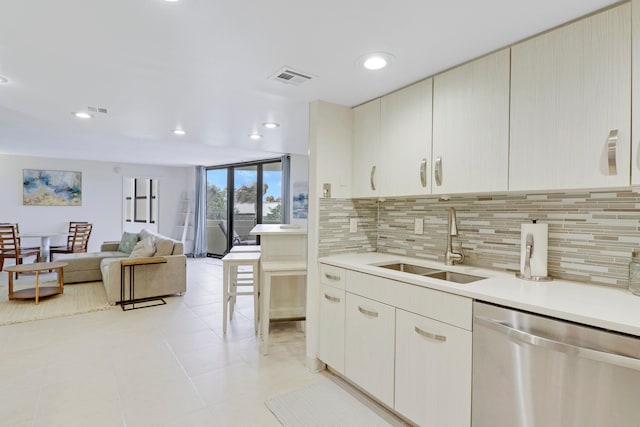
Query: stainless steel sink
x=410 y=268
x=449 y=276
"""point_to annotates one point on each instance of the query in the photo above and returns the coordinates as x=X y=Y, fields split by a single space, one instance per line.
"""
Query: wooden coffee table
x=38 y=291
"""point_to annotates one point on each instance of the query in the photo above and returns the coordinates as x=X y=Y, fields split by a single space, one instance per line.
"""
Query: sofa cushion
x=85 y=267
x=144 y=248
x=127 y=242
x=164 y=247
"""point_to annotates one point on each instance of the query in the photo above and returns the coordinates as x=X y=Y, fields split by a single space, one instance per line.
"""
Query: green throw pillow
x=127 y=242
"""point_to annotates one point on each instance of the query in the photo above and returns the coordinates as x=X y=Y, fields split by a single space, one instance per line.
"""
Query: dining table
x=45 y=240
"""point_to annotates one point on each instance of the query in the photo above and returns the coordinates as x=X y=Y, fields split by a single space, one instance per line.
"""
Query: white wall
x=330 y=135
x=101 y=196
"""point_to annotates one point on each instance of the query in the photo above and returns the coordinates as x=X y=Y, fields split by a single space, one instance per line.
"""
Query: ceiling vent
x=291 y=77
x=97 y=109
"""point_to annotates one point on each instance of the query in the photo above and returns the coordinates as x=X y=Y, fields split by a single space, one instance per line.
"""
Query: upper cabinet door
x=471 y=127
x=405 y=150
x=366 y=146
x=570 y=105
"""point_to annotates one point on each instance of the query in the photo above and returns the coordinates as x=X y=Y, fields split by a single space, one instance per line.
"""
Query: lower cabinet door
x=369 y=346
x=331 y=331
x=433 y=371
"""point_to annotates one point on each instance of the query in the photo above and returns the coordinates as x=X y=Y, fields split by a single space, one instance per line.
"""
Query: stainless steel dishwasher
x=531 y=370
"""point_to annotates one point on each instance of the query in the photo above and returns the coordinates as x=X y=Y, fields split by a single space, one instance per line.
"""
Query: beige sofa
x=150 y=280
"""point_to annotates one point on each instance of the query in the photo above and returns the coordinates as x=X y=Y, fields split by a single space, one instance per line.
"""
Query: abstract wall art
x=300 y=200
x=51 y=188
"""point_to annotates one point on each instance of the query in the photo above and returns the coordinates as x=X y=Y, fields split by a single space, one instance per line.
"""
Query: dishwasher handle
x=538 y=341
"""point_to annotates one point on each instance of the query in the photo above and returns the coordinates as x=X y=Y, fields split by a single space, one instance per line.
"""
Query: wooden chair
x=77 y=240
x=22 y=248
x=71 y=232
x=10 y=246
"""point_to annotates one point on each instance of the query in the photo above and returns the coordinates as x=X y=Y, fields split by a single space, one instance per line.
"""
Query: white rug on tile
x=76 y=299
x=323 y=404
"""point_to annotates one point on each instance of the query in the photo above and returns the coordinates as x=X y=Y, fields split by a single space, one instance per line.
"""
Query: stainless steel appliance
x=532 y=370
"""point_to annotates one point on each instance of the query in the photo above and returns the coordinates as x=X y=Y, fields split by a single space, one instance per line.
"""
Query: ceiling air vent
x=97 y=109
x=290 y=76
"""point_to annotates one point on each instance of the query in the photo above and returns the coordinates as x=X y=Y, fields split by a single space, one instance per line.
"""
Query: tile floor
x=159 y=366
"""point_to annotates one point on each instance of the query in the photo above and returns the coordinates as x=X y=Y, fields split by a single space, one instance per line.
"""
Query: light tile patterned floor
x=159 y=366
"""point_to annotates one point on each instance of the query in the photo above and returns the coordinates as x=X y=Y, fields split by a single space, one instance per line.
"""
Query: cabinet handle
x=373 y=173
x=332 y=277
x=438 y=170
x=367 y=312
x=612 y=145
x=423 y=172
x=424 y=333
x=596 y=354
x=330 y=298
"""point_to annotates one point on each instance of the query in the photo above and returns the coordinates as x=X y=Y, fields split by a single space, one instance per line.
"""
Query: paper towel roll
x=540 y=244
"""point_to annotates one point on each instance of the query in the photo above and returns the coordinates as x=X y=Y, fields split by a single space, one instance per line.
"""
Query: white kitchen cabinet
x=332 y=316
x=392 y=143
x=426 y=379
x=366 y=147
x=405 y=148
x=570 y=105
x=433 y=371
x=332 y=327
x=471 y=126
x=369 y=346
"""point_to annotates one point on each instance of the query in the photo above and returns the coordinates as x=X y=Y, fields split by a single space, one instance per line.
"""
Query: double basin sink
x=449 y=276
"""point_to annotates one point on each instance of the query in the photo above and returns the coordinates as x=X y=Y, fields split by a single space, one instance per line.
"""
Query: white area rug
x=324 y=404
x=76 y=299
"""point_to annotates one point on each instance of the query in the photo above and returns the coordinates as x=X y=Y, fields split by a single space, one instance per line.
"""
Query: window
x=235 y=206
x=140 y=203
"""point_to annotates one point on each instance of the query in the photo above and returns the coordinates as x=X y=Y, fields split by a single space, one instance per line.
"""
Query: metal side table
x=131 y=264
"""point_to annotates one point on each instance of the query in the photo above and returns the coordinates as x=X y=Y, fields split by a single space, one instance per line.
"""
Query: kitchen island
x=283 y=267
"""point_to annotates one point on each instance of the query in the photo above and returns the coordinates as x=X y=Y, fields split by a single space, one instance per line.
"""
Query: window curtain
x=286 y=188
x=200 y=226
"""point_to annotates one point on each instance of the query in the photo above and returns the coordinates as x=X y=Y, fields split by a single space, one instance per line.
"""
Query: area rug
x=76 y=299
x=324 y=404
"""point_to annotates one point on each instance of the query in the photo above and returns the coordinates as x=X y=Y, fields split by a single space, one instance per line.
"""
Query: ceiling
x=205 y=66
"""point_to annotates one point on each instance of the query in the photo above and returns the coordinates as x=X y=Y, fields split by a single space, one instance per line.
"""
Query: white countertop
x=605 y=307
x=264 y=229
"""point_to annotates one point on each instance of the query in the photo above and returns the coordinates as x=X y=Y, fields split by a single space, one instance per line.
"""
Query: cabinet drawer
x=332 y=276
x=449 y=308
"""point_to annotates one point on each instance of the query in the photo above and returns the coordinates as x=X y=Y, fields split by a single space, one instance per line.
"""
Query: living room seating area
x=151 y=280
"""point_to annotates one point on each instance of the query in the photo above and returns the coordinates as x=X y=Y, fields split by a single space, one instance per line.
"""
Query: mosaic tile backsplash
x=590 y=234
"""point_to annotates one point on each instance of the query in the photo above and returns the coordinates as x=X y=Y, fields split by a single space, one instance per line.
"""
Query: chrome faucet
x=451 y=257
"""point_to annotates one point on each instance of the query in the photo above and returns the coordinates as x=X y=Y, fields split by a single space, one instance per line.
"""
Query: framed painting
x=300 y=200
x=51 y=188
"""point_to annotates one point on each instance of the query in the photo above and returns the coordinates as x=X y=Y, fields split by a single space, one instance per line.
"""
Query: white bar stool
x=234 y=278
x=269 y=270
x=245 y=248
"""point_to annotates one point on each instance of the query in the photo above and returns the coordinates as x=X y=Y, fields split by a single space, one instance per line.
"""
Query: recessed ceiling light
x=172 y=1
x=82 y=115
x=179 y=132
x=376 y=61
x=271 y=125
x=255 y=136
x=3 y=80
